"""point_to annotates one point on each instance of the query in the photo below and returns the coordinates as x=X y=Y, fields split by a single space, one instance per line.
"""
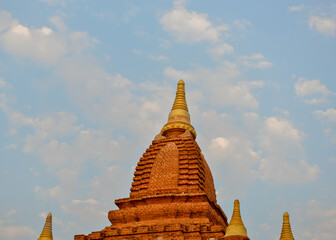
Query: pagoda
x=172 y=194
x=286 y=231
x=46 y=233
x=236 y=229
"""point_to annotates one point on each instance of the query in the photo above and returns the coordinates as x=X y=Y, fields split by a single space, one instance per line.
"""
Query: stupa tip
x=47 y=229
x=179 y=117
x=286 y=231
x=236 y=226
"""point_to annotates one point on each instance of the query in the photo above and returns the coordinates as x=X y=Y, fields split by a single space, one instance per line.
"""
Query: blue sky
x=86 y=85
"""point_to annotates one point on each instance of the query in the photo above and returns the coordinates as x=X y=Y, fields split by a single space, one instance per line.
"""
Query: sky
x=86 y=85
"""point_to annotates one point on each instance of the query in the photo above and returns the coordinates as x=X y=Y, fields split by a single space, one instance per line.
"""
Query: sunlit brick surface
x=172 y=196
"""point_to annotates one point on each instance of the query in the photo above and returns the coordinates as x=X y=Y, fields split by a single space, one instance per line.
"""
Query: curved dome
x=170 y=165
x=174 y=162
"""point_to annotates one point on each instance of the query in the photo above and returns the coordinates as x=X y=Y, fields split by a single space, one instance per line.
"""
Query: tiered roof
x=286 y=232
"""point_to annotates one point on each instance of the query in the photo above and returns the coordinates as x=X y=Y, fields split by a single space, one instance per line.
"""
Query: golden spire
x=286 y=232
x=179 y=118
x=47 y=229
x=236 y=226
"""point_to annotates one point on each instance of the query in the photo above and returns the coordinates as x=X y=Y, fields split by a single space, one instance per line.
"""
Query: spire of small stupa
x=47 y=229
x=179 y=117
x=286 y=232
x=236 y=226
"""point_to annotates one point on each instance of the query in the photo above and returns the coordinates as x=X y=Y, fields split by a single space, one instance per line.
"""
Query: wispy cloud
x=158 y=58
x=221 y=49
x=329 y=114
x=313 y=91
x=12 y=232
x=297 y=8
x=44 y=44
x=255 y=61
x=324 y=25
x=190 y=26
x=283 y=159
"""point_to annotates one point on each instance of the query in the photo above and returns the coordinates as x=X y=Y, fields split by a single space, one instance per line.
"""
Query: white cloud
x=6 y=21
x=219 y=144
x=54 y=2
x=131 y=13
x=220 y=85
x=282 y=129
x=3 y=84
x=40 y=44
x=281 y=171
x=88 y=145
x=221 y=49
x=68 y=182
x=158 y=58
x=15 y=232
x=255 y=56
x=326 y=26
x=80 y=41
x=87 y=201
x=316 y=219
x=190 y=26
x=309 y=89
x=283 y=158
x=44 y=44
x=305 y=87
x=57 y=140
x=51 y=124
x=11 y=212
x=112 y=177
x=315 y=100
x=241 y=24
x=328 y=117
x=331 y=133
x=177 y=74
x=255 y=61
x=137 y=51
x=296 y=8
x=329 y=114
x=264 y=64
x=11 y=146
x=58 y=22
x=84 y=208
x=265 y=227
x=232 y=157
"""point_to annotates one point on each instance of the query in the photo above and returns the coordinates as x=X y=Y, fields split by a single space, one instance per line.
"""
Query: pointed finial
x=286 y=232
x=47 y=229
x=236 y=226
x=179 y=118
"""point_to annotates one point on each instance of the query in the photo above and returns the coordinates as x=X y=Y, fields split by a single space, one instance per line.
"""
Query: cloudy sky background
x=86 y=85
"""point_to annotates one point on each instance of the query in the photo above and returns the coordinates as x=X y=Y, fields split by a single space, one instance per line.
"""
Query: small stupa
x=236 y=229
x=47 y=229
x=286 y=232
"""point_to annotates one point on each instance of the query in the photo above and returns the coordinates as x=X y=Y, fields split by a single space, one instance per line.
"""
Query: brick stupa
x=172 y=194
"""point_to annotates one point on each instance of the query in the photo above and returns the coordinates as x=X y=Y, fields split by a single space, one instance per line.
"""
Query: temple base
x=158 y=232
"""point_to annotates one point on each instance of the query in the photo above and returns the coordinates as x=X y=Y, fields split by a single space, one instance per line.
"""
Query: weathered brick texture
x=172 y=197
